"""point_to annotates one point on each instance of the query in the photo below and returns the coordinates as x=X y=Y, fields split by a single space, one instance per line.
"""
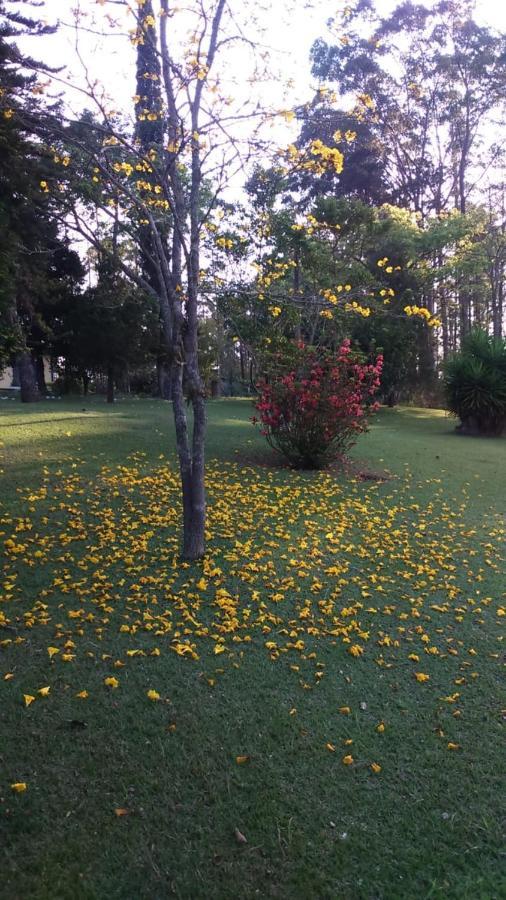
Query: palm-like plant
x=475 y=384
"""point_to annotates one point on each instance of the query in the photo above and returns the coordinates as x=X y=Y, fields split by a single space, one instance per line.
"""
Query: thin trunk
x=191 y=467
x=40 y=375
x=110 y=384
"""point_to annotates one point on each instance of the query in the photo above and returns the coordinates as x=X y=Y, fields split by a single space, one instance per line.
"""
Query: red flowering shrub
x=313 y=402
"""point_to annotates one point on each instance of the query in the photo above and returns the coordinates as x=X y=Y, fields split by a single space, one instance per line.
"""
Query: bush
x=475 y=385
x=313 y=402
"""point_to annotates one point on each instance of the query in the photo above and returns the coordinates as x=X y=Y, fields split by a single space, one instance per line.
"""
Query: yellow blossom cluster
x=423 y=313
x=355 y=307
x=317 y=158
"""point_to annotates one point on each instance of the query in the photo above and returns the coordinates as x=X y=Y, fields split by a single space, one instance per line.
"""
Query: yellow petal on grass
x=121 y=811
x=348 y=760
x=52 y=651
x=111 y=682
x=19 y=786
x=44 y=691
x=28 y=698
x=82 y=695
x=380 y=727
x=153 y=695
x=8 y=676
x=376 y=768
x=451 y=746
x=240 y=760
x=421 y=677
x=345 y=710
x=219 y=648
x=330 y=747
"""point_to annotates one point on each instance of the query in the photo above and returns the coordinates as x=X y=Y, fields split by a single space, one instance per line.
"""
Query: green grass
x=312 y=565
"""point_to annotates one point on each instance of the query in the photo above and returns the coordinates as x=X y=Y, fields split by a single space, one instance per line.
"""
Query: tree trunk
x=40 y=375
x=191 y=466
x=163 y=377
x=110 y=384
x=498 y=310
x=27 y=378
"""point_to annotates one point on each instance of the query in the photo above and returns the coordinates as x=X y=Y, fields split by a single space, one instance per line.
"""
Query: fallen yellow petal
x=19 y=786
x=153 y=695
x=348 y=760
x=44 y=691
x=28 y=699
x=376 y=768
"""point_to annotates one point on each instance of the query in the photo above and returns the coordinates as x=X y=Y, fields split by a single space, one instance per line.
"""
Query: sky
x=292 y=26
x=286 y=29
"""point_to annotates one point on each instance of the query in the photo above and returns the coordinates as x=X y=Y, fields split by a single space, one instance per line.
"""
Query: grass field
x=313 y=711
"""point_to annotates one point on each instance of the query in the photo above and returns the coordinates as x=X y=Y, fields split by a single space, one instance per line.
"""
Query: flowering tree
x=313 y=402
x=155 y=181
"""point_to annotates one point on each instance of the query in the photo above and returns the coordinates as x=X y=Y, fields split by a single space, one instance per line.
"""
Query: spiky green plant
x=475 y=384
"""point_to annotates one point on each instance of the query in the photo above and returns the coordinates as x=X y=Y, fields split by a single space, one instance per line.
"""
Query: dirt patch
x=350 y=468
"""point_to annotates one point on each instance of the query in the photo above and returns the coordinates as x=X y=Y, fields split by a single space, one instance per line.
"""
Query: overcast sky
x=291 y=28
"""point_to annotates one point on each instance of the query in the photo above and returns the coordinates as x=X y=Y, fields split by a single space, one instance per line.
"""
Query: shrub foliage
x=313 y=401
x=475 y=384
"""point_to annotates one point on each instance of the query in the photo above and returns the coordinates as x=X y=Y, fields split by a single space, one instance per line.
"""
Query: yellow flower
x=153 y=695
x=52 y=651
x=19 y=787
x=111 y=682
x=375 y=768
x=348 y=760
x=421 y=677
x=44 y=691
x=82 y=695
x=380 y=727
x=28 y=699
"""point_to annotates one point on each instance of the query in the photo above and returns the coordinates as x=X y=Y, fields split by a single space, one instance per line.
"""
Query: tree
x=28 y=238
x=426 y=81
x=162 y=188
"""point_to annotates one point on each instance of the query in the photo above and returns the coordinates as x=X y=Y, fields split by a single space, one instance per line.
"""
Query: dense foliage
x=475 y=383
x=314 y=401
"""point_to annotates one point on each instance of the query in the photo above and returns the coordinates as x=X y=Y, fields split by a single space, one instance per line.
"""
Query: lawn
x=313 y=711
